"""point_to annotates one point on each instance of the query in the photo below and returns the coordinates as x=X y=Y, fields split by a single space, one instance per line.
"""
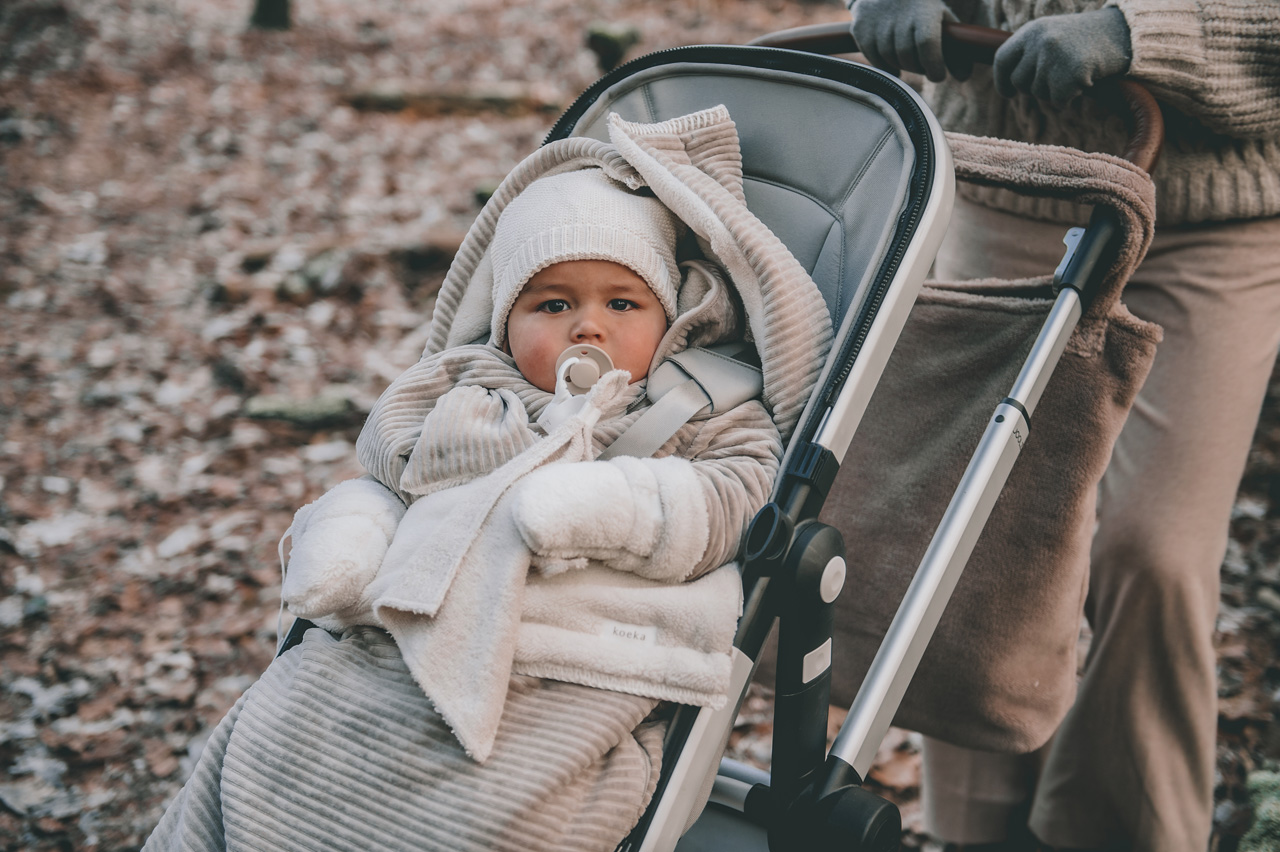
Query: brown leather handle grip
x=979 y=44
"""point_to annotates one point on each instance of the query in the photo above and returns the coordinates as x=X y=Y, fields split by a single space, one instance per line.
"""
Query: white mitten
x=646 y=516
x=338 y=545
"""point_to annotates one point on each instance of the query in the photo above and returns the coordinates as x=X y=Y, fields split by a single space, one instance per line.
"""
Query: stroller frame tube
x=841 y=420
x=686 y=791
x=935 y=579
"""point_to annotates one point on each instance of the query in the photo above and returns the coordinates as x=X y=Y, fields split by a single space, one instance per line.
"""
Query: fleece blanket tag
x=631 y=633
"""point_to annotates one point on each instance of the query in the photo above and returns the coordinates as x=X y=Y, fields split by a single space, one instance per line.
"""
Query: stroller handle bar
x=979 y=44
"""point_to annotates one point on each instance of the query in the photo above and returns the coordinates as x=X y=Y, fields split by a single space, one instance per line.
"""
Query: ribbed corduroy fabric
x=470 y=432
x=337 y=748
x=1216 y=68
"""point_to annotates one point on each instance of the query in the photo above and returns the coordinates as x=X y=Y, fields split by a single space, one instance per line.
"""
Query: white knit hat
x=582 y=215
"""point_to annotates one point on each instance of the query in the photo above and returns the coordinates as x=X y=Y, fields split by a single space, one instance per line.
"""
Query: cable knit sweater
x=1215 y=67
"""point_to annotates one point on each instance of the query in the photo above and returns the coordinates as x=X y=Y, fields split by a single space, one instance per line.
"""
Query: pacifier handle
x=589 y=364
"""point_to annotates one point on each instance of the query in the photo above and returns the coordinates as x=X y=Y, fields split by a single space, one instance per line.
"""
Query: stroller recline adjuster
x=1072 y=241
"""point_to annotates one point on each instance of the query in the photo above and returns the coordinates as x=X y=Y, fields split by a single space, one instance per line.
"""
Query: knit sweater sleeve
x=1217 y=62
x=736 y=456
x=393 y=432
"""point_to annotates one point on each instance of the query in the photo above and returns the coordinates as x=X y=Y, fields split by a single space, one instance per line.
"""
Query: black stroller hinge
x=811 y=580
x=814 y=802
x=1089 y=255
x=853 y=819
x=849 y=818
x=807 y=481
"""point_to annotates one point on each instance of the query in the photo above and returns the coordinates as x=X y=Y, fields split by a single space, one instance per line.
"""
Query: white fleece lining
x=644 y=516
x=338 y=544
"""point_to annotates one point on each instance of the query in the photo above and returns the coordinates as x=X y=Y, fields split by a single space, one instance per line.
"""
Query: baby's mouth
x=580 y=366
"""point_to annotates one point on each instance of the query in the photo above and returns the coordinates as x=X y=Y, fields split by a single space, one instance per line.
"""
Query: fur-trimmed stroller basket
x=1000 y=671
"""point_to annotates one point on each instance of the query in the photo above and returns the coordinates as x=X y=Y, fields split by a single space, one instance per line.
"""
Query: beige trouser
x=1131 y=766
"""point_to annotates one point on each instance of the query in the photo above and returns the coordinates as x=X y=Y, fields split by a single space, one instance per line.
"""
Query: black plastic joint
x=768 y=536
x=1088 y=258
x=294 y=637
x=816 y=467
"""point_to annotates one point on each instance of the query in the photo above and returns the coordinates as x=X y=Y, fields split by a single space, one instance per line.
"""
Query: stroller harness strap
x=701 y=380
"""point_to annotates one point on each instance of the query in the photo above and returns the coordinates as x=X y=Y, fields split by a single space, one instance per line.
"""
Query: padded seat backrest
x=827 y=166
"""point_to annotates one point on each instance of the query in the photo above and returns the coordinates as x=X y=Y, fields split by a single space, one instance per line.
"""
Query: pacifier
x=581 y=366
x=577 y=369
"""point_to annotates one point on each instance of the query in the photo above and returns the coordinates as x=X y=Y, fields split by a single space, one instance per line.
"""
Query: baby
x=505 y=609
x=579 y=261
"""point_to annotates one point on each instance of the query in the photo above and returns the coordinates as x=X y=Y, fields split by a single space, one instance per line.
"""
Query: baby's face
x=584 y=301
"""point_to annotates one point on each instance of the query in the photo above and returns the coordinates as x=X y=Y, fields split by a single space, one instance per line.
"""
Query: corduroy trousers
x=1131 y=765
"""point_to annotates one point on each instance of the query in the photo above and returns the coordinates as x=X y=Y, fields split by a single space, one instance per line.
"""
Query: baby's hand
x=645 y=516
x=338 y=545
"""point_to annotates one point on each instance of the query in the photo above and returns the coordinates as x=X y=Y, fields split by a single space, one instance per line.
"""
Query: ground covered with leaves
x=217 y=246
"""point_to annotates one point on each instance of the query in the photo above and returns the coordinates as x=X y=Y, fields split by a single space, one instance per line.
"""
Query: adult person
x=1131 y=765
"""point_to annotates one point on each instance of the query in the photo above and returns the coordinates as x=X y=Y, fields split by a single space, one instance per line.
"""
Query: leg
x=1133 y=761
x=973 y=796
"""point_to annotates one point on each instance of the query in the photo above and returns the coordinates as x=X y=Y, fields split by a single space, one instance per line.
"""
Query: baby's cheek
x=539 y=367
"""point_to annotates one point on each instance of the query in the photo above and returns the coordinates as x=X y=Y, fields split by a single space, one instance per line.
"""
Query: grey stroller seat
x=847 y=166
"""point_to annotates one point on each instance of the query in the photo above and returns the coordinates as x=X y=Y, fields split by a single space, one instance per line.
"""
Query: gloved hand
x=338 y=543
x=906 y=35
x=646 y=516
x=1057 y=57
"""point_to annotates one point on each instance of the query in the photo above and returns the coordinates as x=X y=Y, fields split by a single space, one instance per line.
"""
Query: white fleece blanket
x=450 y=585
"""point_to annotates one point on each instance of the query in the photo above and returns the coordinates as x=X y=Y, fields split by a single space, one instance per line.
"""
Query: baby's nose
x=588 y=326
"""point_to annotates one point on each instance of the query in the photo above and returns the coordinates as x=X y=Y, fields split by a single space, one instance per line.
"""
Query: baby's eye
x=621 y=304
x=554 y=306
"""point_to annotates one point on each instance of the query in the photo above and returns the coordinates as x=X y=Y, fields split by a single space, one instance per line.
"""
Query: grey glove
x=1057 y=57
x=906 y=35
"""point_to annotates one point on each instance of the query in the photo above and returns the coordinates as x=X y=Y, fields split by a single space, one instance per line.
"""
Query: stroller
x=862 y=199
